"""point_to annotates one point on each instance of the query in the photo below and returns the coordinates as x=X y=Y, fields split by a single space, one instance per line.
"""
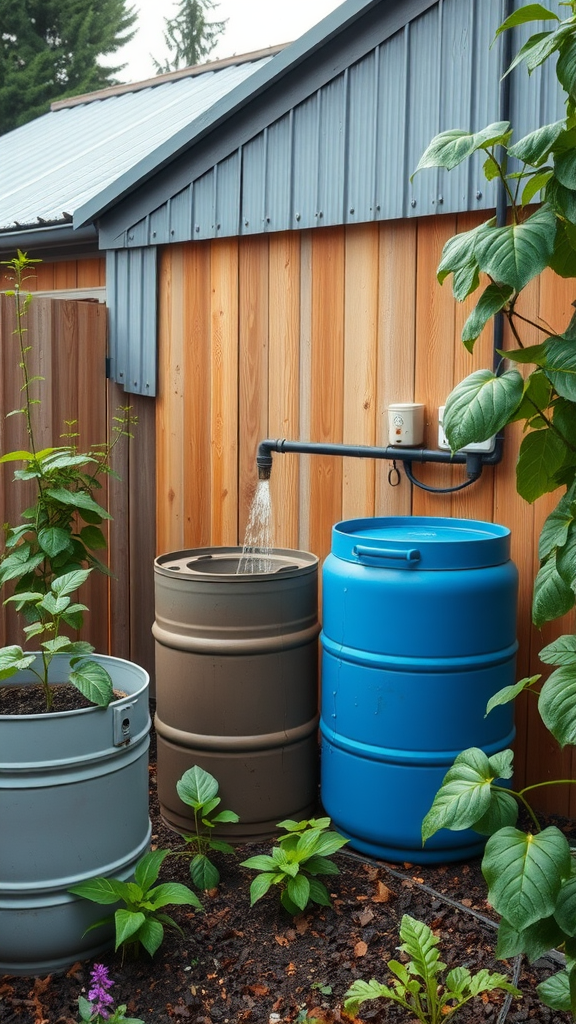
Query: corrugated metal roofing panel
x=332 y=146
x=86 y=147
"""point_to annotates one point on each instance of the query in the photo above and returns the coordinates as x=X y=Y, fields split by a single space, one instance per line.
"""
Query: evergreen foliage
x=50 y=50
x=189 y=36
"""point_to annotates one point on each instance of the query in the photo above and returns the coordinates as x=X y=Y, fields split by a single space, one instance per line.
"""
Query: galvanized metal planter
x=73 y=804
x=237 y=684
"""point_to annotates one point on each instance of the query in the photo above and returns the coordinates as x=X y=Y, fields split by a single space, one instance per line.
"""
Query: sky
x=252 y=25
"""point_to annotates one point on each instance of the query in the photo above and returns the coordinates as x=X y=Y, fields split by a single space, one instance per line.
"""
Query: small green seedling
x=141 y=921
x=428 y=999
x=199 y=789
x=303 y=852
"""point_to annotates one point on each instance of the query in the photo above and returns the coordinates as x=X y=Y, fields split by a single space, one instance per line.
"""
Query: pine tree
x=50 y=49
x=188 y=36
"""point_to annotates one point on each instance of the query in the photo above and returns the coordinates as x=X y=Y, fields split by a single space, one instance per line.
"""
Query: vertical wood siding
x=310 y=336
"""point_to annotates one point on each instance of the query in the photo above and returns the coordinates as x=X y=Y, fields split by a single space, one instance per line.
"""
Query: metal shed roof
x=58 y=162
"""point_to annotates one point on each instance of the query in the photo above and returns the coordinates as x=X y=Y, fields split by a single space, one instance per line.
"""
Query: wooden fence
x=67 y=341
x=310 y=336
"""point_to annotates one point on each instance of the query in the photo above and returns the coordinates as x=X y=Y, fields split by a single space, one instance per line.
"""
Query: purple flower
x=98 y=993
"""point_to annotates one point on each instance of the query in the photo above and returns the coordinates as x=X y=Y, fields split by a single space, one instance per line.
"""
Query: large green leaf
x=77 y=499
x=12 y=660
x=458 y=258
x=173 y=893
x=465 y=794
x=535 y=184
x=560 y=652
x=150 y=934
x=538 y=48
x=566 y=558
x=204 y=873
x=93 y=538
x=298 y=889
x=515 y=254
x=563 y=260
x=562 y=199
x=421 y=945
x=480 y=405
x=558 y=993
x=450 y=148
x=557 y=704
x=534 y=941
x=541 y=455
x=508 y=693
x=127 y=924
x=529 y=12
x=492 y=300
x=102 y=890
x=196 y=787
x=502 y=811
x=566 y=65
x=534 y=148
x=554 y=533
x=93 y=681
x=260 y=885
x=560 y=366
x=525 y=872
x=552 y=597
x=148 y=868
x=70 y=581
x=566 y=909
x=53 y=540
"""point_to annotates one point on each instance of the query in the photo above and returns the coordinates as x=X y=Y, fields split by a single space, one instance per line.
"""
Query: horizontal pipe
x=474 y=461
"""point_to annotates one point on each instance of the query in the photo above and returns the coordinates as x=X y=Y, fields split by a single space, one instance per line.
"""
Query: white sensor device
x=474 y=446
x=405 y=424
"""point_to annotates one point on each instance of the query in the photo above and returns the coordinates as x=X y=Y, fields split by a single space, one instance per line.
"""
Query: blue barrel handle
x=410 y=555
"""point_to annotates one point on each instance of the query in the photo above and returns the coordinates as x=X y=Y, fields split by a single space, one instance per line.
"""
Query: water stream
x=257 y=547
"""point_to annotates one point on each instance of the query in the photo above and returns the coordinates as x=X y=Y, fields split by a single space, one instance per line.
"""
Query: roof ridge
x=170 y=76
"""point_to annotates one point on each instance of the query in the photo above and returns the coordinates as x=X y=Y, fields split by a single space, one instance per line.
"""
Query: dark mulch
x=257 y=965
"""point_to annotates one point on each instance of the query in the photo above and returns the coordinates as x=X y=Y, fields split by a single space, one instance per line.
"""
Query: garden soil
x=242 y=965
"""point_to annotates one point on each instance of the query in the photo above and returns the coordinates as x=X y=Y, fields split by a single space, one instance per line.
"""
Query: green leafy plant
x=295 y=863
x=51 y=552
x=99 y=1007
x=199 y=790
x=531 y=875
x=141 y=921
x=417 y=985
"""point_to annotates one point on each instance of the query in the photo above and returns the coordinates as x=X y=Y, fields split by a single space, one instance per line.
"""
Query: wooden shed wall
x=310 y=336
x=62 y=275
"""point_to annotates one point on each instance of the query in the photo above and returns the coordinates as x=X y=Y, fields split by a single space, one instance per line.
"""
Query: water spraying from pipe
x=258 y=540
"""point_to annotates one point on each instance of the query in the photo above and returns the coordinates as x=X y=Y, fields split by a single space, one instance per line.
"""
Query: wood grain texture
x=224 y=399
x=396 y=350
x=170 y=511
x=284 y=380
x=253 y=339
x=360 y=356
x=327 y=382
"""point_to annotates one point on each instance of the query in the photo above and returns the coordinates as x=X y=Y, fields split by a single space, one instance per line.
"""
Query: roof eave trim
x=54 y=237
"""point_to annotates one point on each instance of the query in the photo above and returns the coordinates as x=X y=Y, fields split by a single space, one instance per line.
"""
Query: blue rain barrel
x=418 y=632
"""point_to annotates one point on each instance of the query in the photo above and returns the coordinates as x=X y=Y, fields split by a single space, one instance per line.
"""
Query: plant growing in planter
x=51 y=552
x=531 y=875
x=68 y=769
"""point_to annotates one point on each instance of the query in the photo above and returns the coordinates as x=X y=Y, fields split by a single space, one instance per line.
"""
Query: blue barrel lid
x=421 y=542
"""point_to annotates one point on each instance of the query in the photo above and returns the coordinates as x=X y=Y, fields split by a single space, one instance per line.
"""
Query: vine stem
x=518 y=794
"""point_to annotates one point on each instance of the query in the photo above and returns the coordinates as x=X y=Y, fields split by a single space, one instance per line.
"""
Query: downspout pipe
x=474 y=461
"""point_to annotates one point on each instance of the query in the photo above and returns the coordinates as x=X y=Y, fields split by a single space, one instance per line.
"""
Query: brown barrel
x=237 y=684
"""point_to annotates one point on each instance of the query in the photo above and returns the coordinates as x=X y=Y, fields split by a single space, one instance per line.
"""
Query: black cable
x=435 y=490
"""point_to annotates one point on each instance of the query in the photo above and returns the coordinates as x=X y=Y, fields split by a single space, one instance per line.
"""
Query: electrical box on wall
x=406 y=424
x=475 y=446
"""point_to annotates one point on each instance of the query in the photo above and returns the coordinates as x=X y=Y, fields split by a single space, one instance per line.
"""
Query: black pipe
x=474 y=461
